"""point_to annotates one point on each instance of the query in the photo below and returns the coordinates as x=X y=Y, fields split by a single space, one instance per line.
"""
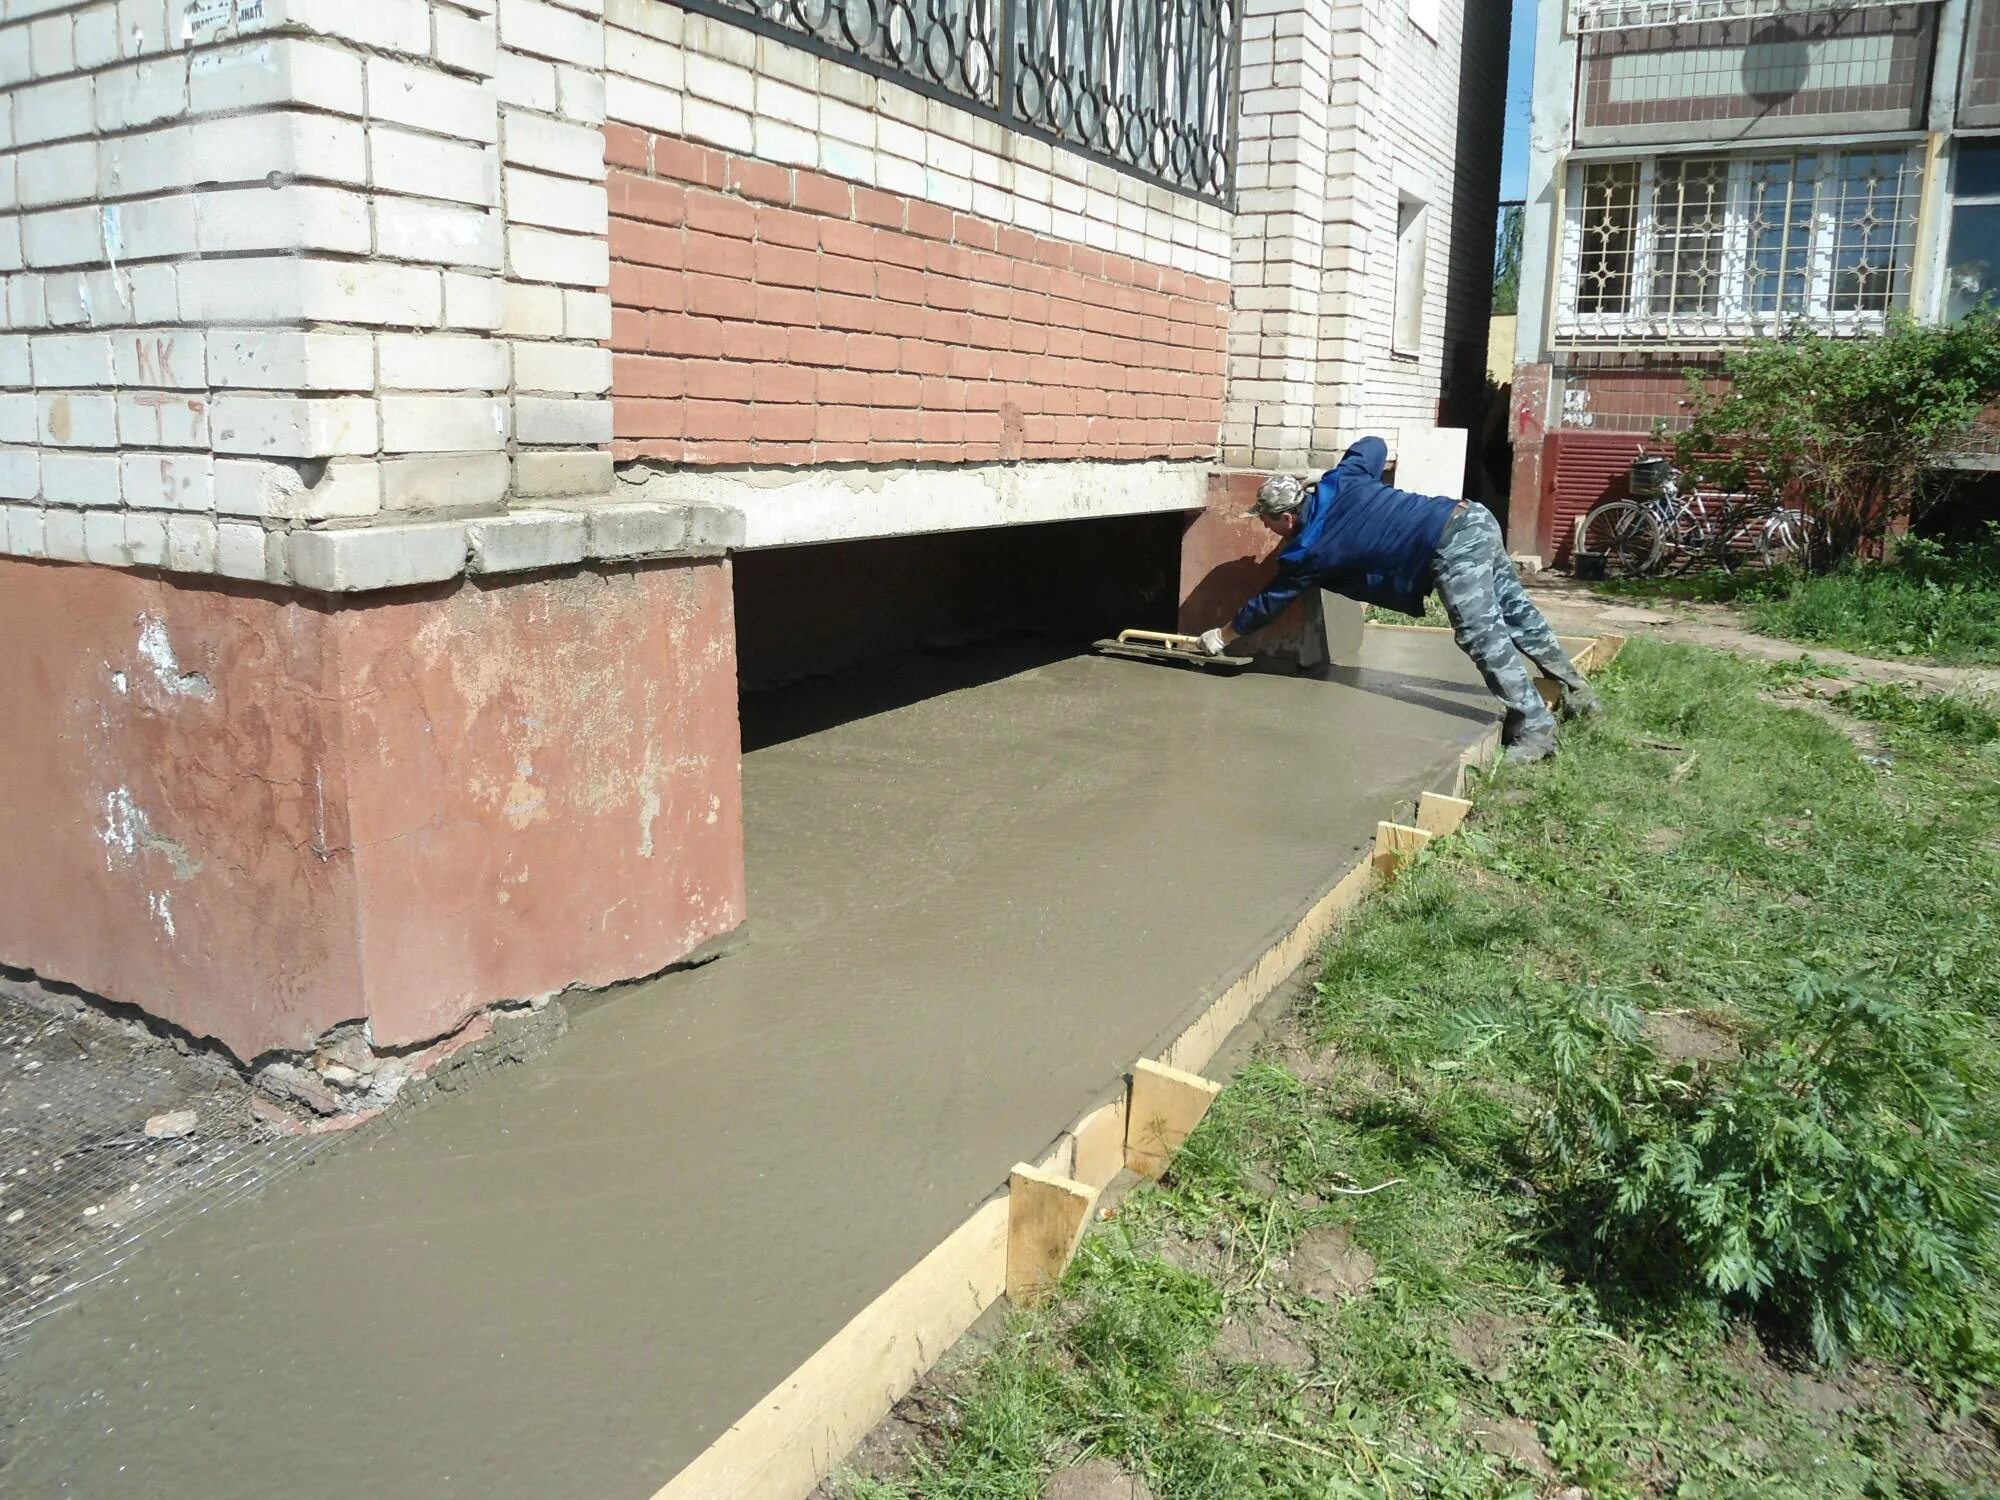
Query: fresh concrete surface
x=970 y=914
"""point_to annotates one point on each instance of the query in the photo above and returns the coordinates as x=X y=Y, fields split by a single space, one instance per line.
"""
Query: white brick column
x=556 y=307
x=1355 y=316
x=1276 y=272
x=263 y=278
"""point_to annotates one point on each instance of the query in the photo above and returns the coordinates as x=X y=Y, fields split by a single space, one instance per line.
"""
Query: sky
x=1520 y=88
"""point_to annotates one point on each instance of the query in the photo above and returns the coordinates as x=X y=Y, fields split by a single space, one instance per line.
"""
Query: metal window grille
x=1148 y=86
x=1698 y=250
x=1587 y=16
x=1605 y=223
x=1690 y=204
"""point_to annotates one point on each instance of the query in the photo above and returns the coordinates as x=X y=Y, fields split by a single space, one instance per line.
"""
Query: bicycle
x=1661 y=522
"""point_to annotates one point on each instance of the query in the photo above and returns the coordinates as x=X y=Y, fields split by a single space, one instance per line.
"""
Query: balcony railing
x=1148 y=86
x=1635 y=15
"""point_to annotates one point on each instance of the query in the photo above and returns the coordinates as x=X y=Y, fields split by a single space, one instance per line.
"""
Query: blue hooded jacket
x=1359 y=537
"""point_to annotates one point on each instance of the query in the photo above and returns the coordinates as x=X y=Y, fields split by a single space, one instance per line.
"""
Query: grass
x=1433 y=614
x=1685 y=854
x=1929 y=601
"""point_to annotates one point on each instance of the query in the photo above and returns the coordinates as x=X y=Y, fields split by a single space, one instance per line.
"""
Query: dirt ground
x=1573 y=609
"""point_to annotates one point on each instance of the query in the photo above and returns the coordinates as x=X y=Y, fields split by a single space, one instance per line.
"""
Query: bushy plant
x=1823 y=1182
x=1845 y=427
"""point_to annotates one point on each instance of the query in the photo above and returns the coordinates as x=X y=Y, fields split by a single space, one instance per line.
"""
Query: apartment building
x=1706 y=171
x=421 y=419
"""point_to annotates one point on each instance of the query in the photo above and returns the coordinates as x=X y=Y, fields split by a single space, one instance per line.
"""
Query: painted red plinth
x=257 y=813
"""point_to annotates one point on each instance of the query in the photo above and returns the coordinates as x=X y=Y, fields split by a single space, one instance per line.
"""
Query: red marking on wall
x=768 y=315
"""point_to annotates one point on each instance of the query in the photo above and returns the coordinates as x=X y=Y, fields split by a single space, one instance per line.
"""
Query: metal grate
x=1692 y=250
x=1146 y=85
x=1635 y=15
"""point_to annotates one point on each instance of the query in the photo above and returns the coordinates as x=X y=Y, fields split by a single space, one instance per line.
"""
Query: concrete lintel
x=791 y=507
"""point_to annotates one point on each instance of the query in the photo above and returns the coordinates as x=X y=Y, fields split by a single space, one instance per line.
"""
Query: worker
x=1357 y=536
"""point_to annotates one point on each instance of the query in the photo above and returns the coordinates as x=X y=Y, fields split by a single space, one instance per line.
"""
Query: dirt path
x=1574 y=610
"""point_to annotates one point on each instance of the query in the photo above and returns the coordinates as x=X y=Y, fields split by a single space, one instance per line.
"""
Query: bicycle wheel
x=1786 y=539
x=1627 y=535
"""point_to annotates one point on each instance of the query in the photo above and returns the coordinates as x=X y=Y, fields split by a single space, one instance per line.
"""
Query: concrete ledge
x=361 y=559
x=378 y=557
x=387 y=557
x=527 y=539
x=651 y=529
x=791 y=507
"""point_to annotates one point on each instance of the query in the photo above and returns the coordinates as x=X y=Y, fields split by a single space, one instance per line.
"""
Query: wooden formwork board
x=796 y=1435
x=1439 y=815
x=1047 y=1213
x=1395 y=843
x=1166 y=1105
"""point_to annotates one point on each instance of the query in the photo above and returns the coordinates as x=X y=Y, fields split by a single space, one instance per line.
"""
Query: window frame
x=1957 y=201
x=1412 y=235
x=1735 y=315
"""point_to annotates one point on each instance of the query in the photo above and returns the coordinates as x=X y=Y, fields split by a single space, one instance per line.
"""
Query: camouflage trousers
x=1495 y=622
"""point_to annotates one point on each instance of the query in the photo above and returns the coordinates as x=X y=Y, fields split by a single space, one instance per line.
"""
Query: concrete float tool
x=1174 y=650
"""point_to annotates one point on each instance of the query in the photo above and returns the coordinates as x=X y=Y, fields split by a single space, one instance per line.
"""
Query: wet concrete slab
x=970 y=913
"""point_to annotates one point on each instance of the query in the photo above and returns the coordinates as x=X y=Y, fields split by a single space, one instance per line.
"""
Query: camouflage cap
x=1280 y=495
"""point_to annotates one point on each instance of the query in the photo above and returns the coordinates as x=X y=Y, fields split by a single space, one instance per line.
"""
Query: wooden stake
x=1394 y=843
x=1439 y=815
x=1100 y=1145
x=1046 y=1217
x=1166 y=1106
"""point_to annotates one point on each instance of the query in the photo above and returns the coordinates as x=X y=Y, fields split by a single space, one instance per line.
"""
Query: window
x=1412 y=254
x=1690 y=206
x=1608 y=218
x=1701 y=248
x=1972 y=257
x=1424 y=14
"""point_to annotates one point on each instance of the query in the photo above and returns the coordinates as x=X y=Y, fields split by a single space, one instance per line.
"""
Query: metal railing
x=1148 y=86
x=1633 y=15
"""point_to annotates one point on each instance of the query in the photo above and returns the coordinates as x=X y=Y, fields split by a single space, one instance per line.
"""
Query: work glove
x=1211 y=643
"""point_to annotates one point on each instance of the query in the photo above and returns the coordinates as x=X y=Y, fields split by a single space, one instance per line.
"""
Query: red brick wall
x=767 y=315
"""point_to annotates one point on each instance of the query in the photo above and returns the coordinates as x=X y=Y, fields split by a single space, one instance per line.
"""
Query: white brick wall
x=1401 y=140
x=253 y=271
x=343 y=263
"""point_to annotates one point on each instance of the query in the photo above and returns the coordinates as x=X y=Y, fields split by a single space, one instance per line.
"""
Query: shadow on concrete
x=775 y=716
x=1439 y=695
